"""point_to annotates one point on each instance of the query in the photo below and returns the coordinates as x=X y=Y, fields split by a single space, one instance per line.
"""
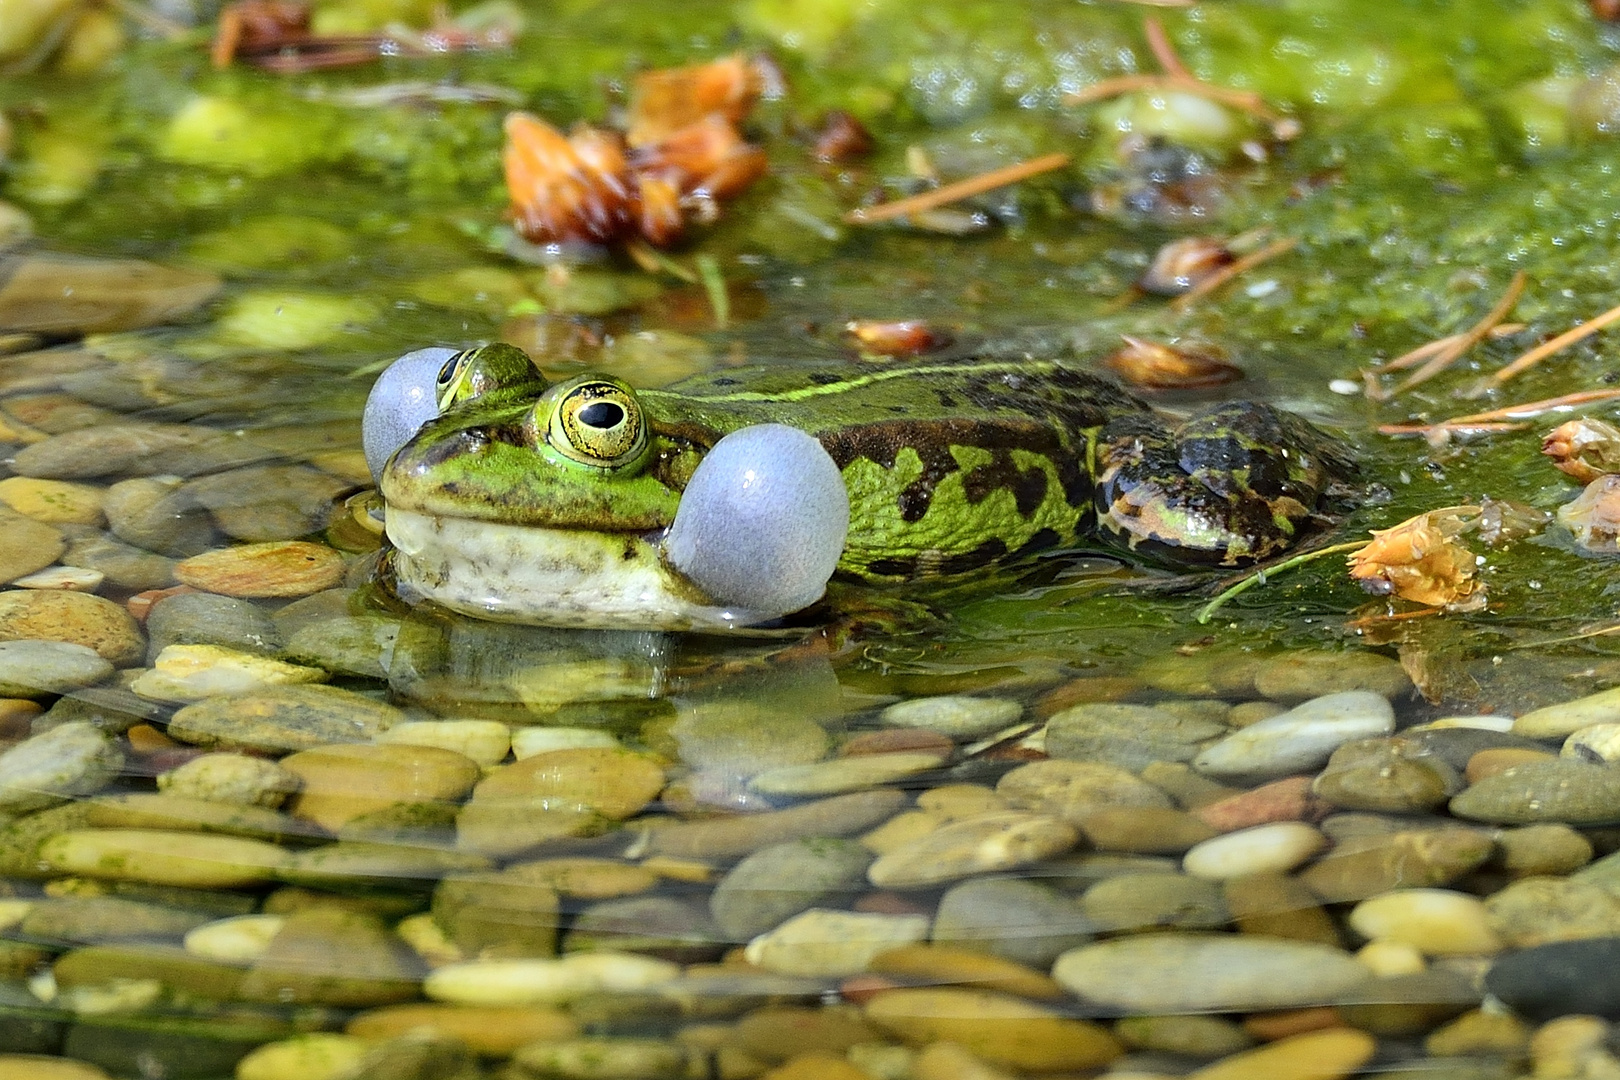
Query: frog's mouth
x=551 y=577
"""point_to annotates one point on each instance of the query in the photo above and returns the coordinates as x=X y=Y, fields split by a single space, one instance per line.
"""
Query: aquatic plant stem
x=714 y=284
x=1259 y=577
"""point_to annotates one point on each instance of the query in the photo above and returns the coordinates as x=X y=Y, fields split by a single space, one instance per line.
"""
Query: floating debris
x=1156 y=365
x=1585 y=449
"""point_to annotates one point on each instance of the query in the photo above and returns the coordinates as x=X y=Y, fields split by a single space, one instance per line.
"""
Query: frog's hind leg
x=1232 y=484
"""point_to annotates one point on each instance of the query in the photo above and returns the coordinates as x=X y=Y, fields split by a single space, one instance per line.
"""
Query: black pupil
x=603 y=415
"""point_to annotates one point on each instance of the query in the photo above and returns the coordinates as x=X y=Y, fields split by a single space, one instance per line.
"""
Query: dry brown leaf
x=1181 y=264
x=1594 y=515
x=898 y=337
x=566 y=188
x=1586 y=448
x=670 y=99
x=1156 y=365
x=1419 y=560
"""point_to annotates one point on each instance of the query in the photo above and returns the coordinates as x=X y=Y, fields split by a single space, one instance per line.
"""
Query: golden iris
x=595 y=421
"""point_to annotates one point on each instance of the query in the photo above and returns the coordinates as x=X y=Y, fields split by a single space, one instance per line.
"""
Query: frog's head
x=583 y=503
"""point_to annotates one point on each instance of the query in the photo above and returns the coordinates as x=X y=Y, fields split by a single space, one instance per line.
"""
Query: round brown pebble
x=1144 y=830
x=945 y=965
x=1499 y=759
x=275 y=568
x=141 y=604
x=1271 y=1026
x=896 y=741
x=78 y=618
x=16 y=717
x=816 y=1066
x=1083 y=692
x=889 y=903
x=492 y=1030
x=1288 y=799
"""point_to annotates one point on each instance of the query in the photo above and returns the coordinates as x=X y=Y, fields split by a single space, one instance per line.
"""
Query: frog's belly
x=549 y=577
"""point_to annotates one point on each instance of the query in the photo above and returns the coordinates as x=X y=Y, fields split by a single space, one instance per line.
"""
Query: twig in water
x=1546 y=349
x=1423 y=352
x=1233 y=269
x=961 y=189
x=1259 y=577
x=1450 y=354
x=1496 y=419
x=1177 y=77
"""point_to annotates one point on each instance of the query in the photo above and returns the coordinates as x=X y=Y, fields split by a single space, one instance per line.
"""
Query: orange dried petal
x=903 y=337
x=571 y=188
x=1585 y=449
x=1594 y=515
x=668 y=99
x=1159 y=366
x=1416 y=560
x=708 y=159
x=658 y=210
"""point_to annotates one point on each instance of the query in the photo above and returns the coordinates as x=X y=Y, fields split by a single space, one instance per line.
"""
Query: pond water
x=260 y=818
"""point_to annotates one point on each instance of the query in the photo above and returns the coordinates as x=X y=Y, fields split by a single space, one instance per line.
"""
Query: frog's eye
x=473 y=373
x=596 y=421
x=450 y=385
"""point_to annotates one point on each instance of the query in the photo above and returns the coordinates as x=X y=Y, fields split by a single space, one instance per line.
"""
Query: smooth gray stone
x=1011 y=918
x=778 y=882
x=209 y=619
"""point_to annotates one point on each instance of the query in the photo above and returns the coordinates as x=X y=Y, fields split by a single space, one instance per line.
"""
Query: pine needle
x=1177 y=77
x=961 y=189
x=1557 y=344
x=1450 y=354
x=1498 y=419
x=1423 y=352
x=1233 y=269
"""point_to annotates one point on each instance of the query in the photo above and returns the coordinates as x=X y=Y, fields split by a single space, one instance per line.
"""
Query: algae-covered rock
x=324 y=956
x=283 y=719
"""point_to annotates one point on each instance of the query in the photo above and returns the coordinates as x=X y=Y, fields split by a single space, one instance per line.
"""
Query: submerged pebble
x=1299 y=740
x=76 y=618
x=1166 y=973
x=31 y=669
x=954 y=716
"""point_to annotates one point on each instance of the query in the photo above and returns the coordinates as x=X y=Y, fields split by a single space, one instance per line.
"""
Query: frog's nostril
x=602 y=415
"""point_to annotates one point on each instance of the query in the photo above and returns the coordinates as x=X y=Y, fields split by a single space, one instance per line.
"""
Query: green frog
x=587 y=503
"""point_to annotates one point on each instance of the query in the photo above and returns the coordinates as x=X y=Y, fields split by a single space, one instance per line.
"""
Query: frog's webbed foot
x=1233 y=484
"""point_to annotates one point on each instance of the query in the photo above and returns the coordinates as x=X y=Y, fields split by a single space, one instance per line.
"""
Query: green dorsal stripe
x=844 y=386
